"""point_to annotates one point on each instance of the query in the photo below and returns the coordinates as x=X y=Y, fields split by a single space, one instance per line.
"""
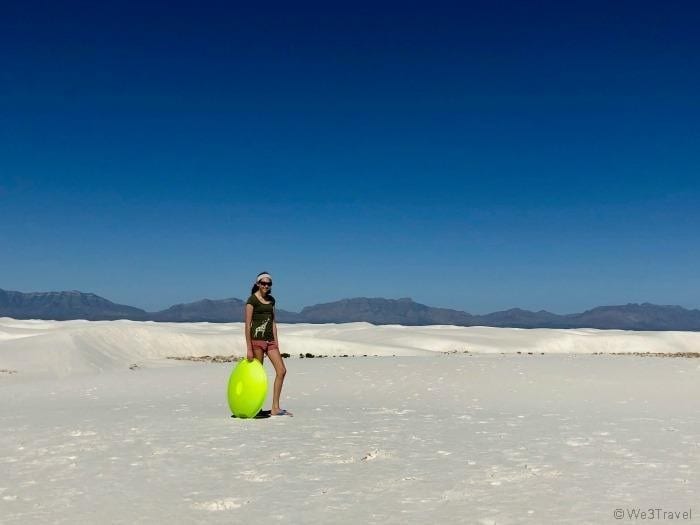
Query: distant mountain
x=62 y=306
x=212 y=311
x=221 y=311
x=407 y=312
x=383 y=311
x=78 y=305
x=639 y=317
x=517 y=318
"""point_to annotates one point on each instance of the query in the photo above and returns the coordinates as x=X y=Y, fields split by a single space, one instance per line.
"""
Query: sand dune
x=63 y=348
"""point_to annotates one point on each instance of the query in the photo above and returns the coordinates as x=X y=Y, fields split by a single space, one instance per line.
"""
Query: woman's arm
x=248 y=321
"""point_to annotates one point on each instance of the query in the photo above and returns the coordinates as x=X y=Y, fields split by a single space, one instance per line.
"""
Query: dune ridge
x=63 y=348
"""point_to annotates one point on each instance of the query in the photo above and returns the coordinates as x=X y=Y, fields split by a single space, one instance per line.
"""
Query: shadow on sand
x=263 y=414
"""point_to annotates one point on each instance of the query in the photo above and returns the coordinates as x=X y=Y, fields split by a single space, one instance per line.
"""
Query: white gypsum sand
x=486 y=437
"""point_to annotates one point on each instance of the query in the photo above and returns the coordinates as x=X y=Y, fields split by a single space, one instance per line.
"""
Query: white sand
x=487 y=437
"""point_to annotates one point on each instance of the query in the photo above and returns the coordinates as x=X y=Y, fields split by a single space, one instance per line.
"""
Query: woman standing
x=261 y=335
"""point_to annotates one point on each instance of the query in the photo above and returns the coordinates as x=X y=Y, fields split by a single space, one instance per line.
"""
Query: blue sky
x=481 y=157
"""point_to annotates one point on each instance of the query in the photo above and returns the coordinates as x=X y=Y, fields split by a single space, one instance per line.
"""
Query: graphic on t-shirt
x=261 y=329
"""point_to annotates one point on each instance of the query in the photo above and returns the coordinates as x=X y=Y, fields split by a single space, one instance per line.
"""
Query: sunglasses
x=265 y=283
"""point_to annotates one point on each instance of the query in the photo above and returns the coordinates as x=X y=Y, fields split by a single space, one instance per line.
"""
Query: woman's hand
x=249 y=354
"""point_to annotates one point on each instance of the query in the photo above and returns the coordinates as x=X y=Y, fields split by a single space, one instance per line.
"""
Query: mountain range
x=79 y=305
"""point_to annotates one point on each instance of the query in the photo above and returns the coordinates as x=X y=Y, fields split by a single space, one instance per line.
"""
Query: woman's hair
x=255 y=285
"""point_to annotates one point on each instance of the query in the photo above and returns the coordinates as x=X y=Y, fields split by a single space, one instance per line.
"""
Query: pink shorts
x=265 y=346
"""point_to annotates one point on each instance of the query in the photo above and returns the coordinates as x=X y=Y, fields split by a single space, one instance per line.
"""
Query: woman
x=261 y=335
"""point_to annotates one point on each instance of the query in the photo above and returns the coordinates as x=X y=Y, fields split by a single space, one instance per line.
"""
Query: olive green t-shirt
x=263 y=316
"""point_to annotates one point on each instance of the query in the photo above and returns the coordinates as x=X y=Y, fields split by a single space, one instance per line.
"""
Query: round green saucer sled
x=247 y=388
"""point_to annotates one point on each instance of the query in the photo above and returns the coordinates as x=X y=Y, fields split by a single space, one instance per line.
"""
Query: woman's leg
x=280 y=371
x=258 y=353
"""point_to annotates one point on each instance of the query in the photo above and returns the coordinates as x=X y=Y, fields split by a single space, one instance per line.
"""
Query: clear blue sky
x=542 y=155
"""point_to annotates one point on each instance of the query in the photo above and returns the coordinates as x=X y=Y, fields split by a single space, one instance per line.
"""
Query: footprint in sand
x=370 y=455
x=375 y=454
x=578 y=442
x=218 y=505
